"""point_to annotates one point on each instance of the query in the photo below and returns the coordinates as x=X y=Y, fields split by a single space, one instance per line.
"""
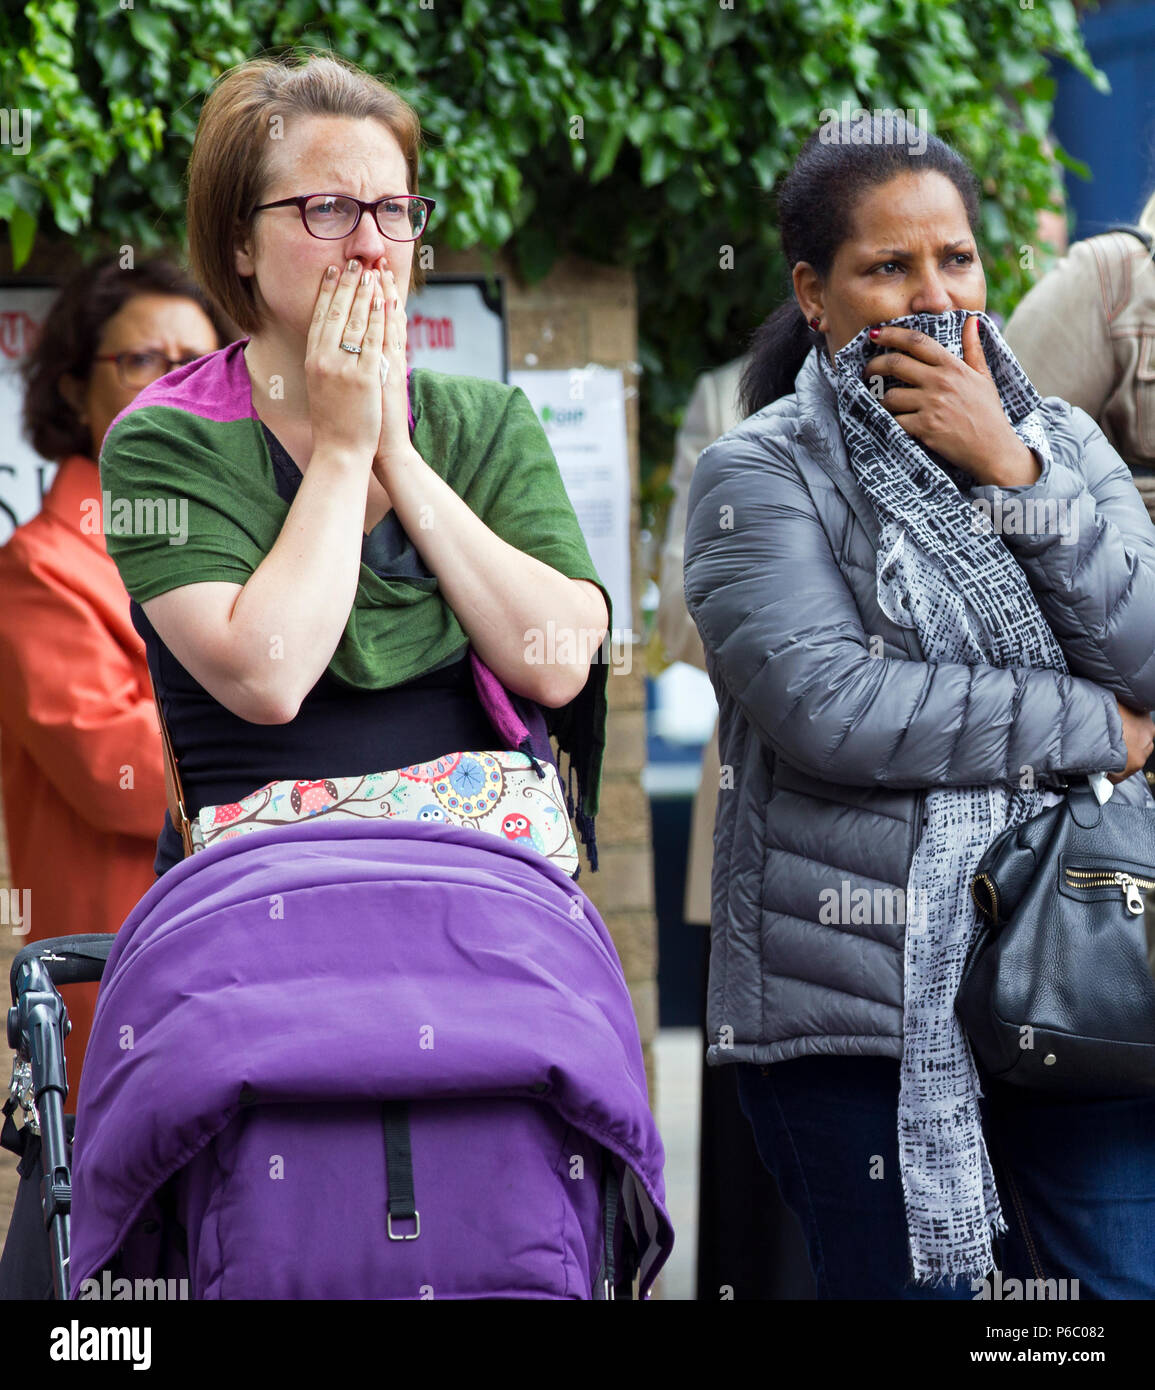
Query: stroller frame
x=38 y=1023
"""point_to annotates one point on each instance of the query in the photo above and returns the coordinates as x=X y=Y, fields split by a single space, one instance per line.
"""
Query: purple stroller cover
x=345 y=963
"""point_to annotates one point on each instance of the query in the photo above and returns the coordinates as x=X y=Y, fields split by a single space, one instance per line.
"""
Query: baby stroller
x=377 y=1060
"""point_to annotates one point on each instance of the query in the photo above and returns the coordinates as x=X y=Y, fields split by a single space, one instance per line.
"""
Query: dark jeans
x=1076 y=1179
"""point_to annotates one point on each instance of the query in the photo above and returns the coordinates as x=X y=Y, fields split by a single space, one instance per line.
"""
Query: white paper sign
x=584 y=415
x=24 y=476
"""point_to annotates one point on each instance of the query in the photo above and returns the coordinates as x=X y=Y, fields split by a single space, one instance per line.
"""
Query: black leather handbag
x=1057 y=992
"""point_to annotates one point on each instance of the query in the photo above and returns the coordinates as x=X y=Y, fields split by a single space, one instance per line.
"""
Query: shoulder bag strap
x=1143 y=235
x=172 y=784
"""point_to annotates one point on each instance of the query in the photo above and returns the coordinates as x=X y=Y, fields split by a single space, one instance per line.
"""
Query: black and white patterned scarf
x=943 y=571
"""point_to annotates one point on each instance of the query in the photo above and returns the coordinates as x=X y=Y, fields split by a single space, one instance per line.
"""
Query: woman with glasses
x=375 y=566
x=353 y=533
x=83 y=780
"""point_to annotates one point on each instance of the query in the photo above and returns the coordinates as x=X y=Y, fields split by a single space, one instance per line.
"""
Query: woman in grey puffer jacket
x=881 y=719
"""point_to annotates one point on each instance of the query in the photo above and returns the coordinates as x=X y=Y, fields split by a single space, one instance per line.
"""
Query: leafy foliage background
x=689 y=111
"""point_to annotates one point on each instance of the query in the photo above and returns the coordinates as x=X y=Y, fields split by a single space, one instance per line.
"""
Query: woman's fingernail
x=353 y=263
x=874 y=332
x=330 y=271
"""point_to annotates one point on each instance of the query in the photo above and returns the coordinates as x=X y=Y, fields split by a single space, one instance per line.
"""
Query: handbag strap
x=172 y=783
x=1140 y=232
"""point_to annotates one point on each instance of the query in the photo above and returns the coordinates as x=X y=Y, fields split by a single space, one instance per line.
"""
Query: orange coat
x=80 y=751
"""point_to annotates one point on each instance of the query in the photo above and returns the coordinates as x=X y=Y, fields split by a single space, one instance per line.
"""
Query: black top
x=338 y=731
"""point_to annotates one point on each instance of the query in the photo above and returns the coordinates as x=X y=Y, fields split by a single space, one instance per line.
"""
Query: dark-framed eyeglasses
x=331 y=216
x=137 y=369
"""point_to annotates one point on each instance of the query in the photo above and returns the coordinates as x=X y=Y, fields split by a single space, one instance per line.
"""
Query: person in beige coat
x=712 y=411
x=1086 y=332
x=748 y=1239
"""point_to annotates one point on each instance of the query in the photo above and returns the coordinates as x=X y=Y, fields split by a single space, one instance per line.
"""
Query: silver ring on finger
x=384 y=368
x=349 y=347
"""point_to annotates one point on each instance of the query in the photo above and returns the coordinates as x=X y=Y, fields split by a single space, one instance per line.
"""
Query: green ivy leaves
x=646 y=133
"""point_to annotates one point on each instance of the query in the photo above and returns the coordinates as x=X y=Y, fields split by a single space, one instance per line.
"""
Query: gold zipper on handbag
x=991 y=908
x=1097 y=878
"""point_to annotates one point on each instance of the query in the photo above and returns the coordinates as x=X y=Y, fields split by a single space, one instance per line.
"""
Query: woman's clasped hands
x=355 y=366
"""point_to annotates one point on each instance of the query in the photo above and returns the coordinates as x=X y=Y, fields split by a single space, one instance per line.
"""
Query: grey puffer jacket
x=832 y=724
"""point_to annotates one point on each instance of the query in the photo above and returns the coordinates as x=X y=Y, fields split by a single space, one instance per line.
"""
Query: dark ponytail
x=778 y=349
x=816 y=201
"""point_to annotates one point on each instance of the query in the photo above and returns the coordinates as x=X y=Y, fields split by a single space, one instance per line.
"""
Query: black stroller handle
x=37 y=1026
x=69 y=960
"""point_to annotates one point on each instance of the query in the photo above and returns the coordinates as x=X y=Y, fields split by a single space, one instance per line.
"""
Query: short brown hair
x=226 y=172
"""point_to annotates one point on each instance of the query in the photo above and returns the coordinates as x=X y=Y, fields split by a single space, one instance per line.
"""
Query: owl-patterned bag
x=496 y=792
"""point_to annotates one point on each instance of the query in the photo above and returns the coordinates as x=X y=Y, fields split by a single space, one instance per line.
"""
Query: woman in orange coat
x=80 y=752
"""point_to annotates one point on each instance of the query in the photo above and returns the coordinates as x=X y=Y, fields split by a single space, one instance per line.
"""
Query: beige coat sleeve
x=1060 y=332
x=713 y=409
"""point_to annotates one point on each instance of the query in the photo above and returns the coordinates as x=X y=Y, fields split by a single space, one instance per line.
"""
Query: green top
x=191 y=496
